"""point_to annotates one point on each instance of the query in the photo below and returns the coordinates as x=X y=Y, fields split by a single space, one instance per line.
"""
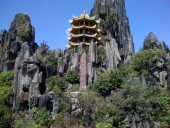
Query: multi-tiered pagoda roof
x=84 y=29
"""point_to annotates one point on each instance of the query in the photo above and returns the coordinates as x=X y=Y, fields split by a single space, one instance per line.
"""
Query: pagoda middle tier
x=84 y=29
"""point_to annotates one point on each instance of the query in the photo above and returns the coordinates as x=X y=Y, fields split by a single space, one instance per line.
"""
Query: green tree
x=50 y=59
x=104 y=125
x=143 y=101
x=41 y=117
x=106 y=24
x=6 y=79
x=140 y=61
x=73 y=76
x=57 y=84
x=102 y=84
x=110 y=80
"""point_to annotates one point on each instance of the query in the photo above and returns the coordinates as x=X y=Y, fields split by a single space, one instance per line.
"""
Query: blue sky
x=50 y=18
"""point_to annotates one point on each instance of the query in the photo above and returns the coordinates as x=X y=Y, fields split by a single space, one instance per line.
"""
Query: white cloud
x=67 y=32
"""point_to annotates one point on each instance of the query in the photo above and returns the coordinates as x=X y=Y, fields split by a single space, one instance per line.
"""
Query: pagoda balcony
x=84 y=25
x=84 y=34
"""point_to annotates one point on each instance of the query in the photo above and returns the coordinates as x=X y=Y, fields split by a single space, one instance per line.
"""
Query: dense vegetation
x=104 y=104
x=140 y=61
x=6 y=79
x=107 y=24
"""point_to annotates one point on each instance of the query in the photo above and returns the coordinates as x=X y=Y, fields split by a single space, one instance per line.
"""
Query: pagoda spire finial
x=84 y=11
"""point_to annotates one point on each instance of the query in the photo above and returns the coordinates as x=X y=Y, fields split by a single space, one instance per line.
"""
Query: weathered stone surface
x=49 y=70
x=92 y=52
x=115 y=52
x=159 y=72
x=112 y=55
x=74 y=61
x=25 y=51
x=152 y=41
x=120 y=31
x=60 y=66
x=92 y=55
x=75 y=103
x=57 y=53
x=80 y=49
x=28 y=80
x=109 y=57
x=29 y=83
x=20 y=31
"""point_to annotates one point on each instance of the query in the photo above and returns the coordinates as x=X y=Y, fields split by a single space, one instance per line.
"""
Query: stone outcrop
x=20 y=31
x=120 y=31
x=18 y=51
x=112 y=55
x=29 y=77
x=152 y=41
x=29 y=83
x=158 y=71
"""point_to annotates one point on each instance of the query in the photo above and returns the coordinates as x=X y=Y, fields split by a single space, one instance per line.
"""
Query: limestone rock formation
x=120 y=31
x=29 y=83
x=152 y=41
x=112 y=55
x=20 y=31
x=29 y=77
x=159 y=70
x=74 y=61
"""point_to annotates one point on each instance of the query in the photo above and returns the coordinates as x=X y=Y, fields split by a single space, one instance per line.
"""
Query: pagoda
x=84 y=29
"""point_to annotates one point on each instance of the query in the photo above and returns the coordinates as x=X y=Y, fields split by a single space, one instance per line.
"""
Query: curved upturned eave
x=84 y=17
x=79 y=35
x=84 y=26
x=76 y=44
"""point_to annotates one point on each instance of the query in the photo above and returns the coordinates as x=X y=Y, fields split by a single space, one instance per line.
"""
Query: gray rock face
x=152 y=41
x=63 y=63
x=20 y=31
x=120 y=31
x=80 y=49
x=92 y=52
x=28 y=77
x=74 y=61
x=25 y=51
x=112 y=55
x=159 y=72
x=57 y=53
x=91 y=60
x=29 y=83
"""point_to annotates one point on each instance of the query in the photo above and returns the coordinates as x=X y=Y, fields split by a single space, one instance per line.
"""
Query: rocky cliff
x=120 y=30
x=20 y=31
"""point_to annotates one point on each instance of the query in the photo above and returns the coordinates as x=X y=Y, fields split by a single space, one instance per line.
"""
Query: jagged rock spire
x=120 y=31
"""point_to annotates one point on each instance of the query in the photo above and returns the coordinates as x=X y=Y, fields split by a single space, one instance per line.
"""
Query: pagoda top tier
x=83 y=17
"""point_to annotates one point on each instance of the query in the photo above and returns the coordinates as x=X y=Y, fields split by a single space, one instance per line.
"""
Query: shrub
x=110 y=80
x=41 y=117
x=73 y=76
x=143 y=101
x=50 y=59
x=140 y=61
x=6 y=79
x=106 y=24
x=57 y=84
